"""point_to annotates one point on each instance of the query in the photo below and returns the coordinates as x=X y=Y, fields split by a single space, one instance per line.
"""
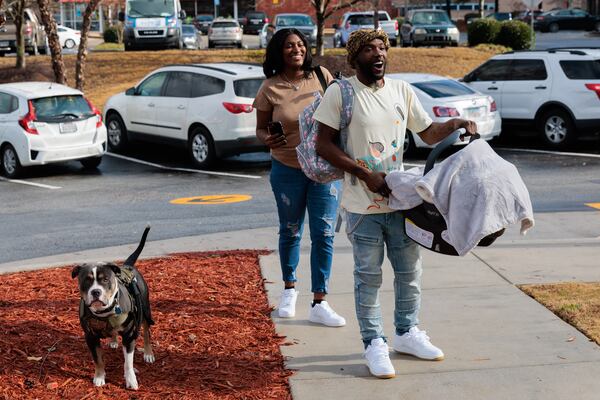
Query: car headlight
x=453 y=31
x=420 y=31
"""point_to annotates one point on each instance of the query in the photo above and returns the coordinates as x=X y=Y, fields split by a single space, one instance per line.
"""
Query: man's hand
x=469 y=126
x=376 y=183
x=275 y=141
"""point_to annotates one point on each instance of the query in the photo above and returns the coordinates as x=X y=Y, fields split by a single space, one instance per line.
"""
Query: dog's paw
x=99 y=381
x=113 y=345
x=149 y=358
x=131 y=381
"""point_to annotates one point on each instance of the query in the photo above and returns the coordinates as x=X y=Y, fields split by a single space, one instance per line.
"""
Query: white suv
x=206 y=108
x=44 y=122
x=557 y=91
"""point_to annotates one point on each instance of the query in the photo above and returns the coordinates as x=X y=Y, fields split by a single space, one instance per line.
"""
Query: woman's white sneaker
x=287 y=303
x=378 y=359
x=322 y=313
x=416 y=343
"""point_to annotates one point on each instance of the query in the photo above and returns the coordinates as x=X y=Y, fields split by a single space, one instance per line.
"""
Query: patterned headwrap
x=360 y=38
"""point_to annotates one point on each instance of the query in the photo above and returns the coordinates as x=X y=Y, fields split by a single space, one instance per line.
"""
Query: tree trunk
x=20 y=37
x=58 y=66
x=375 y=14
x=82 y=52
x=481 y=5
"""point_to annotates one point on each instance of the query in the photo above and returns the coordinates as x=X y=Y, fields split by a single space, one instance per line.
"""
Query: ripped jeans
x=294 y=194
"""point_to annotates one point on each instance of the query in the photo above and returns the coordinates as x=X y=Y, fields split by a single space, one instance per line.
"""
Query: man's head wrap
x=358 y=39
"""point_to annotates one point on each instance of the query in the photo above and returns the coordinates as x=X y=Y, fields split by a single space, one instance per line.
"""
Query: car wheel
x=239 y=45
x=34 y=50
x=211 y=45
x=556 y=128
x=69 y=43
x=116 y=132
x=597 y=27
x=393 y=42
x=10 y=165
x=553 y=27
x=91 y=162
x=201 y=148
x=409 y=144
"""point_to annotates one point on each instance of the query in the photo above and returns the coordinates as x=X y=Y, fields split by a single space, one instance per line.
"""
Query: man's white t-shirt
x=380 y=117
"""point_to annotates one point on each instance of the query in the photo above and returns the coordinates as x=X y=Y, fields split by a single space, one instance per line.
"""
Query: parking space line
x=41 y=185
x=560 y=153
x=198 y=171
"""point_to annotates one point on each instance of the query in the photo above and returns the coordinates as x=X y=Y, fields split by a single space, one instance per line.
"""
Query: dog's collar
x=107 y=311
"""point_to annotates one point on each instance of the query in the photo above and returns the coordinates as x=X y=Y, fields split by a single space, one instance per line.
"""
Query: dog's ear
x=75 y=271
x=115 y=268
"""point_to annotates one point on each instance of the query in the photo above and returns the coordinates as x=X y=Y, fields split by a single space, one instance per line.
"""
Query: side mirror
x=467 y=78
x=182 y=14
x=130 y=92
x=335 y=26
x=121 y=16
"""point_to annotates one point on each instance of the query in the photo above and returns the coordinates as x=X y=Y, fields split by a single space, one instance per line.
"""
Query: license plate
x=255 y=21
x=475 y=112
x=67 y=127
x=3 y=44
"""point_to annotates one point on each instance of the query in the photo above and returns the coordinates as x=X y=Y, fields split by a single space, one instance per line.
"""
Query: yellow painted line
x=213 y=199
x=593 y=205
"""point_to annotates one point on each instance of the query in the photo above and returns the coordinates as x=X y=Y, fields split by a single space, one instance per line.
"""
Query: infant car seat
x=424 y=224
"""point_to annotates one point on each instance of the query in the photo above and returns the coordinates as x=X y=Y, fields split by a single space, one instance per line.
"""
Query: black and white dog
x=115 y=300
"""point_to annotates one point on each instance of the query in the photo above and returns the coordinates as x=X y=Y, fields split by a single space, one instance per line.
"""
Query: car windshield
x=247 y=87
x=150 y=8
x=294 y=20
x=365 y=19
x=204 y=18
x=255 y=15
x=59 y=108
x=189 y=29
x=225 y=24
x=575 y=69
x=443 y=88
x=430 y=18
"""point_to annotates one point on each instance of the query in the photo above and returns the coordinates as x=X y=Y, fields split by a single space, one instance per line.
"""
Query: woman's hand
x=275 y=141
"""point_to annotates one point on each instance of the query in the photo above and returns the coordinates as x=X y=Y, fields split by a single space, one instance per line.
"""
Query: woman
x=290 y=86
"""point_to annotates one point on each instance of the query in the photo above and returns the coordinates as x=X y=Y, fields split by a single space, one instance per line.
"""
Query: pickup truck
x=427 y=28
x=352 y=21
x=35 y=36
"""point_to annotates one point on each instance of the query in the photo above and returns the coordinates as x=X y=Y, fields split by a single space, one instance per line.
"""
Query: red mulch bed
x=213 y=338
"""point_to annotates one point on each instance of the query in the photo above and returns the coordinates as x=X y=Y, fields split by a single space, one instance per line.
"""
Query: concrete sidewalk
x=498 y=342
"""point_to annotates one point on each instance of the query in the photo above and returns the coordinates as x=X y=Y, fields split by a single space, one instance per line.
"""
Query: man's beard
x=367 y=70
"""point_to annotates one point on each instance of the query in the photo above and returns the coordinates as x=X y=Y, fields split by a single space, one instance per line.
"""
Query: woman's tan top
x=279 y=97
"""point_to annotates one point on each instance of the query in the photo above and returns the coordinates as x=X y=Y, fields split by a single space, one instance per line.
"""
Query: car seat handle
x=443 y=145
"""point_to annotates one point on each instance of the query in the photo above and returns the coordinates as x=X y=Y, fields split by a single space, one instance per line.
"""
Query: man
x=382 y=112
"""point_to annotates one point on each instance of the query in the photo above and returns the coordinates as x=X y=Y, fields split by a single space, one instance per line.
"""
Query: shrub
x=111 y=35
x=515 y=34
x=483 y=30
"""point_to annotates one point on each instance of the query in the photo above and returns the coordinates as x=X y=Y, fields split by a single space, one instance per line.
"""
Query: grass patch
x=110 y=47
x=578 y=304
x=108 y=73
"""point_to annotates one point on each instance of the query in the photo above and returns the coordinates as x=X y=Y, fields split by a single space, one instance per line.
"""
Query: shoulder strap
x=347 y=92
x=320 y=76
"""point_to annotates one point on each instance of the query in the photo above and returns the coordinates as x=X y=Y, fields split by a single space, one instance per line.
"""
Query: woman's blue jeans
x=294 y=194
x=368 y=234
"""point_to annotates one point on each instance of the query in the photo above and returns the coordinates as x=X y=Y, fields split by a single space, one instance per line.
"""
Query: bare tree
x=325 y=9
x=375 y=4
x=82 y=52
x=58 y=65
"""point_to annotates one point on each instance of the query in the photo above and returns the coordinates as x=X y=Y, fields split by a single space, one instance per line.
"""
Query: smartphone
x=275 y=128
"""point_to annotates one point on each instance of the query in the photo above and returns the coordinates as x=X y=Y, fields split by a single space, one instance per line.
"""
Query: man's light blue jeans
x=295 y=193
x=368 y=234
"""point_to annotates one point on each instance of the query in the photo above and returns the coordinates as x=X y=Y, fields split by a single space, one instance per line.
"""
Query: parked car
x=205 y=108
x=253 y=21
x=500 y=16
x=525 y=16
x=352 y=21
x=470 y=17
x=191 y=37
x=553 y=21
x=302 y=22
x=556 y=91
x=265 y=34
x=224 y=31
x=202 y=22
x=445 y=98
x=68 y=38
x=33 y=31
x=428 y=27
x=44 y=122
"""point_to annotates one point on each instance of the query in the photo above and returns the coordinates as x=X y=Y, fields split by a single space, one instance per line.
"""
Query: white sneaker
x=322 y=313
x=416 y=343
x=287 y=303
x=378 y=359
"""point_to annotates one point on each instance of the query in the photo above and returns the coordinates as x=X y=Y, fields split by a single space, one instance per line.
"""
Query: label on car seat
x=417 y=234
